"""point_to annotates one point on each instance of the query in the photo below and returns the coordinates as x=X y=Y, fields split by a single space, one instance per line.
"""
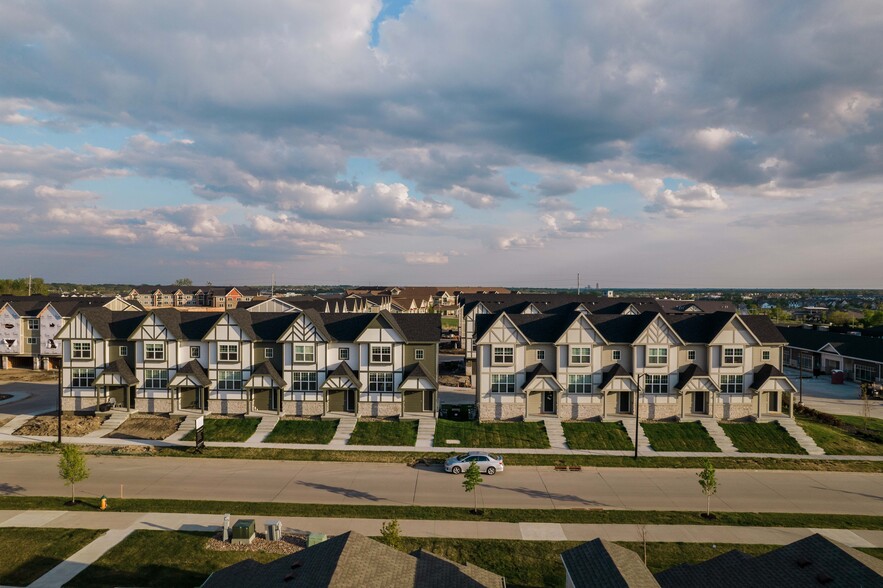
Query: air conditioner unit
x=274 y=530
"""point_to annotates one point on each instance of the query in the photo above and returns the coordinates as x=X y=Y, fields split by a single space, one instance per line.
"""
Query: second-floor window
x=580 y=355
x=382 y=383
x=81 y=350
x=765 y=355
x=733 y=355
x=229 y=380
x=194 y=352
x=656 y=384
x=33 y=324
x=154 y=351
x=268 y=353
x=503 y=383
x=303 y=381
x=617 y=355
x=156 y=379
x=691 y=355
x=731 y=384
x=304 y=353
x=504 y=355
x=82 y=378
x=419 y=354
x=33 y=340
x=381 y=354
x=657 y=356
x=228 y=352
x=124 y=351
x=541 y=354
x=343 y=354
x=579 y=384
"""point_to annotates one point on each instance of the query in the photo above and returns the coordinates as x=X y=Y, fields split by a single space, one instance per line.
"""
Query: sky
x=634 y=143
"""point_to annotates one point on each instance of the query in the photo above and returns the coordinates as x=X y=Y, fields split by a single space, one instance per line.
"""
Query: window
x=382 y=383
x=82 y=350
x=381 y=354
x=731 y=384
x=691 y=355
x=33 y=324
x=503 y=383
x=82 y=378
x=343 y=354
x=733 y=356
x=33 y=340
x=864 y=373
x=304 y=381
x=656 y=384
x=305 y=353
x=268 y=353
x=194 y=352
x=765 y=355
x=156 y=379
x=504 y=355
x=579 y=384
x=541 y=354
x=124 y=351
x=580 y=355
x=228 y=352
x=419 y=354
x=617 y=355
x=154 y=351
x=229 y=380
x=657 y=356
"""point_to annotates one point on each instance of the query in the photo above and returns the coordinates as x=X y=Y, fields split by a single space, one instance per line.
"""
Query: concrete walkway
x=265 y=427
x=66 y=570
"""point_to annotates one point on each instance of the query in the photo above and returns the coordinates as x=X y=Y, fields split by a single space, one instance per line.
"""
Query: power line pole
x=577 y=283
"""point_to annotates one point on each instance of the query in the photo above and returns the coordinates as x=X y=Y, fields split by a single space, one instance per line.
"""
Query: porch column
x=278 y=393
x=713 y=399
x=681 y=397
x=603 y=404
x=791 y=404
x=248 y=401
x=759 y=402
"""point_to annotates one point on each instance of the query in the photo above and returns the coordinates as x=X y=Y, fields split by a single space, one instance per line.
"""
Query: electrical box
x=274 y=530
x=243 y=531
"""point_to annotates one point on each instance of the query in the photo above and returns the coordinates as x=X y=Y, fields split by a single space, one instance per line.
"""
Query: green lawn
x=449 y=322
x=234 y=429
x=302 y=431
x=596 y=435
x=495 y=435
x=836 y=441
x=384 y=433
x=761 y=438
x=27 y=554
x=871 y=424
x=679 y=437
x=162 y=559
x=662 y=556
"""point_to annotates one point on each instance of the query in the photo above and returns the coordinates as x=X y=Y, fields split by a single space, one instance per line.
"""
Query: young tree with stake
x=72 y=467
x=471 y=481
x=708 y=482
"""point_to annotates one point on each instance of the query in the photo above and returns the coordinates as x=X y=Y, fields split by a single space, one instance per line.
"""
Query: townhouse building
x=29 y=326
x=859 y=357
x=578 y=365
x=298 y=362
x=191 y=296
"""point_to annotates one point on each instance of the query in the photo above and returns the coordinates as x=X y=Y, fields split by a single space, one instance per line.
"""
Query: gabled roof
x=692 y=371
x=604 y=564
x=767 y=372
x=613 y=372
x=343 y=371
x=417 y=372
x=119 y=366
x=540 y=371
x=266 y=369
x=192 y=370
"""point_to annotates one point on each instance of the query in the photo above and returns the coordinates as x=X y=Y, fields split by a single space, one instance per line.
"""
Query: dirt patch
x=19 y=375
x=71 y=426
x=456 y=381
x=147 y=426
x=287 y=545
x=5 y=419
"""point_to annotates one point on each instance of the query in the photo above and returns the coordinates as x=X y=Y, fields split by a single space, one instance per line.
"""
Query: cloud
x=569 y=224
x=686 y=199
x=424 y=258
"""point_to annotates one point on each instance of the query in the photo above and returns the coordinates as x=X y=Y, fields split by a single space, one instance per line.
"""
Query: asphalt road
x=396 y=484
x=41 y=398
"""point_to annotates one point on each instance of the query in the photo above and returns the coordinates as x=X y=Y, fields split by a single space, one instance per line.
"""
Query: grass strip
x=27 y=553
x=438 y=457
x=432 y=513
x=761 y=438
x=679 y=437
x=836 y=441
x=229 y=430
x=302 y=431
x=397 y=433
x=596 y=435
x=497 y=435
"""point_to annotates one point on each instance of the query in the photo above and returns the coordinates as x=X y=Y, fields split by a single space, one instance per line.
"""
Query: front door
x=188 y=397
x=774 y=402
x=699 y=402
x=548 y=402
x=623 y=403
x=349 y=404
x=427 y=400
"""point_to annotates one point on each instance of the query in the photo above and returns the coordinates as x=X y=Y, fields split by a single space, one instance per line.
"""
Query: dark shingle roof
x=195 y=369
x=344 y=370
x=867 y=348
x=537 y=371
x=690 y=372
x=614 y=371
x=119 y=366
x=603 y=564
x=417 y=371
x=266 y=368
x=763 y=374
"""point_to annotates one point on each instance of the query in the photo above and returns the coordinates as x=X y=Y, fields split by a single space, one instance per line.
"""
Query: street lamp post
x=637 y=412
x=800 y=376
x=59 y=401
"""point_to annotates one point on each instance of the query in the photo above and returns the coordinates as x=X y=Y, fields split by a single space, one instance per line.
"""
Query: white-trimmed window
x=381 y=354
x=32 y=340
x=580 y=355
x=656 y=384
x=503 y=383
x=156 y=379
x=733 y=355
x=731 y=384
x=304 y=353
x=504 y=355
x=541 y=354
x=419 y=354
x=194 y=352
x=579 y=384
x=229 y=380
x=657 y=355
x=81 y=350
x=228 y=352
x=124 y=351
x=864 y=373
x=382 y=383
x=765 y=355
x=32 y=324
x=268 y=353
x=154 y=351
x=691 y=355
x=617 y=354
x=343 y=354
x=304 y=381
x=82 y=377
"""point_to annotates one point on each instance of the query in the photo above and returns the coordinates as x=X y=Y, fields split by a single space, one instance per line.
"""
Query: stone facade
x=731 y=411
x=379 y=409
x=226 y=406
x=573 y=411
x=161 y=405
x=489 y=411
x=660 y=409
x=303 y=407
x=79 y=404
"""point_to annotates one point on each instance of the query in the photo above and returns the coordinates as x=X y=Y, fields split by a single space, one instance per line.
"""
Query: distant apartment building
x=859 y=357
x=191 y=296
x=422 y=299
x=298 y=362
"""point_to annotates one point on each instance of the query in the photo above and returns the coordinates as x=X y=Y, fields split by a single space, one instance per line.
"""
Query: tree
x=183 y=282
x=866 y=404
x=391 y=534
x=72 y=467
x=708 y=482
x=471 y=481
x=839 y=317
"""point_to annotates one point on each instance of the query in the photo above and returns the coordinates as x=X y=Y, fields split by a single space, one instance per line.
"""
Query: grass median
x=27 y=554
x=229 y=430
x=761 y=438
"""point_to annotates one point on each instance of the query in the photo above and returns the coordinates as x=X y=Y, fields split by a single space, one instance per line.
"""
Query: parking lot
x=820 y=394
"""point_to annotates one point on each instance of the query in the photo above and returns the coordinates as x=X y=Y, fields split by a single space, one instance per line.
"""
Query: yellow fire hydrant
x=103 y=503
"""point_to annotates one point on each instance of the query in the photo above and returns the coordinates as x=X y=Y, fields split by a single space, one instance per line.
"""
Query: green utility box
x=315 y=539
x=243 y=531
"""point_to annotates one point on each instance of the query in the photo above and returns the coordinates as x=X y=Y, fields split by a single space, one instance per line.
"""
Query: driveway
x=820 y=394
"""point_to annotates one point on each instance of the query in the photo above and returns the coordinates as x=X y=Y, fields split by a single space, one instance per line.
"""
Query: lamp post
x=800 y=376
x=59 y=397
x=637 y=412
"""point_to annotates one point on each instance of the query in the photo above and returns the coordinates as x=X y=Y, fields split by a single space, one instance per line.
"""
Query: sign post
x=200 y=433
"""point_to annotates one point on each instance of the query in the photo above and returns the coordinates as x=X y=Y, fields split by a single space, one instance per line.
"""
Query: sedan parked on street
x=487 y=463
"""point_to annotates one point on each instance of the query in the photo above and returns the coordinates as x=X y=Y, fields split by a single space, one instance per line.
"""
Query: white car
x=487 y=463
